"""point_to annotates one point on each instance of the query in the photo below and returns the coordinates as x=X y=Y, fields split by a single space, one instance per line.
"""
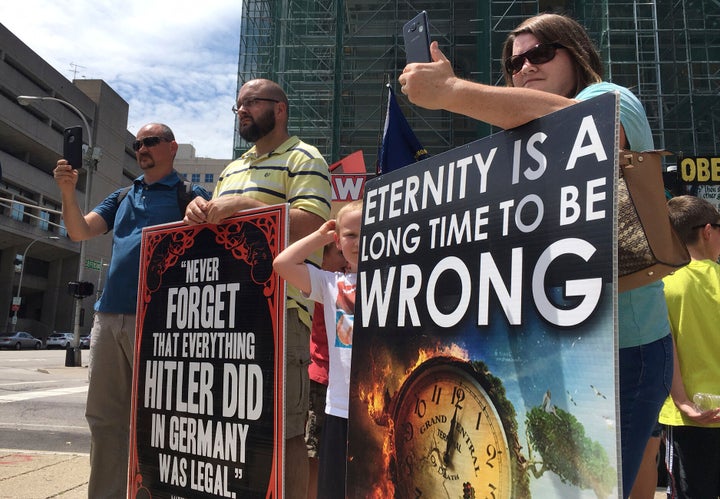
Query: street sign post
x=93 y=264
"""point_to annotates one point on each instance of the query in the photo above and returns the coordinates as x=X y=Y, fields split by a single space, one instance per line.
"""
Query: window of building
x=44 y=222
x=21 y=198
x=18 y=262
x=18 y=211
x=195 y=178
x=54 y=218
x=209 y=178
x=184 y=176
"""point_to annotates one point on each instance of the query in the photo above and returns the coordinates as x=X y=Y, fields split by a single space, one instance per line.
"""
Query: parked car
x=19 y=340
x=59 y=340
x=85 y=341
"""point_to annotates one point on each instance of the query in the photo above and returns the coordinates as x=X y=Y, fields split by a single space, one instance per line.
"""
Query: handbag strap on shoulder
x=628 y=158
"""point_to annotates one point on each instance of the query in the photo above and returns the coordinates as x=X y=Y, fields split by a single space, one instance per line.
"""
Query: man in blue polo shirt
x=152 y=199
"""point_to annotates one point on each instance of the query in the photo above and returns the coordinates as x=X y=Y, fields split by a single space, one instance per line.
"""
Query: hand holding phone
x=416 y=34
x=72 y=146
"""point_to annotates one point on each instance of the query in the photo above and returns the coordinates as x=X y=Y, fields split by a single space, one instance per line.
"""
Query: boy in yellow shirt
x=692 y=294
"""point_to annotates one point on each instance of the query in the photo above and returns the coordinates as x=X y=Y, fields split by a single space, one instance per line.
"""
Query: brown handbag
x=648 y=246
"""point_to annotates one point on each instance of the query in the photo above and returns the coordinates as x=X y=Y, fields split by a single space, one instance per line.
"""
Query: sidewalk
x=33 y=474
x=43 y=475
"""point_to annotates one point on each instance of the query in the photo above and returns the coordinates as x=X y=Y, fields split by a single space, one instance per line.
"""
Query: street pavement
x=41 y=474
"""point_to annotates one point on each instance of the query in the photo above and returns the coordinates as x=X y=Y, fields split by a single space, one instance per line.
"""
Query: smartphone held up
x=73 y=146
x=416 y=35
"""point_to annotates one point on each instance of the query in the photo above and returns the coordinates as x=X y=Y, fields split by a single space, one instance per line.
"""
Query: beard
x=145 y=162
x=257 y=129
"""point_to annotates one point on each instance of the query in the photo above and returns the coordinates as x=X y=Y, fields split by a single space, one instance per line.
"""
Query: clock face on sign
x=449 y=439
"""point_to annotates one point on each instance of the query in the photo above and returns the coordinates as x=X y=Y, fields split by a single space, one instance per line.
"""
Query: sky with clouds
x=173 y=61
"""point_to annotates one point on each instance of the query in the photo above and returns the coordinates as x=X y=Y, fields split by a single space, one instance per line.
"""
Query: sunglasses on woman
x=539 y=54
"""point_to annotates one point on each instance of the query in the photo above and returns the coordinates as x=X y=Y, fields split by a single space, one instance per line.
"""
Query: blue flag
x=399 y=146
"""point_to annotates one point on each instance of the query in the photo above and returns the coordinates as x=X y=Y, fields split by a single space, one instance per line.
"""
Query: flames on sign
x=379 y=398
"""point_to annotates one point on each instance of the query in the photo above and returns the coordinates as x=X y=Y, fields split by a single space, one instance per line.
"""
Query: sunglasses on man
x=539 y=54
x=147 y=142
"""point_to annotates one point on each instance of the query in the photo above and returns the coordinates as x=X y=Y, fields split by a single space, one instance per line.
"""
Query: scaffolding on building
x=334 y=57
x=668 y=53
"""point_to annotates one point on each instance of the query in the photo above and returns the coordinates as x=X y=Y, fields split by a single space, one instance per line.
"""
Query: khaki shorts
x=297 y=381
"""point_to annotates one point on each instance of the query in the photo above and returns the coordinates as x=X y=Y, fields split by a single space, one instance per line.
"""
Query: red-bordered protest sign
x=207 y=413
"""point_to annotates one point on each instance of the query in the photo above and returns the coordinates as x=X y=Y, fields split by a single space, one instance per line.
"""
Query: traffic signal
x=80 y=289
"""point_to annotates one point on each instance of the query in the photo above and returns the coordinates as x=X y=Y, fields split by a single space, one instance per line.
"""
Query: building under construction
x=334 y=58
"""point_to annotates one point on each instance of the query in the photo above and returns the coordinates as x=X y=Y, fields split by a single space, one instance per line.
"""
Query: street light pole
x=89 y=159
x=17 y=301
x=24 y=100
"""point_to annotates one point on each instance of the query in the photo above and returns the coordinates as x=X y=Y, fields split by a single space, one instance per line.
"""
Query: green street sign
x=93 y=264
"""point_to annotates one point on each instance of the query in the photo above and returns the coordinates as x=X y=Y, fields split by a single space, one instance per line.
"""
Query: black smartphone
x=73 y=146
x=416 y=34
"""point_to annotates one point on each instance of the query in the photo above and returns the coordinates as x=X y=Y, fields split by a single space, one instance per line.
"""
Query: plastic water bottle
x=706 y=401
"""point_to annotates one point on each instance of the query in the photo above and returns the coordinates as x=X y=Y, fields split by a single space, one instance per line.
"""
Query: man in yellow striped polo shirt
x=277 y=169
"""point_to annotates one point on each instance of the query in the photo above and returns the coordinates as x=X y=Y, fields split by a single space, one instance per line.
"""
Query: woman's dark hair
x=555 y=28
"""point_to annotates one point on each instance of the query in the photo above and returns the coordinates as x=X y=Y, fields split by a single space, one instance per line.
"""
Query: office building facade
x=34 y=293
x=198 y=170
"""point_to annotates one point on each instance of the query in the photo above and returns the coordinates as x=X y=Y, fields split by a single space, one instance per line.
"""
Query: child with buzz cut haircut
x=692 y=294
x=336 y=291
x=333 y=261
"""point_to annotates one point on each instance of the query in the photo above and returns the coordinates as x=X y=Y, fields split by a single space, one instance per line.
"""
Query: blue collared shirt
x=145 y=205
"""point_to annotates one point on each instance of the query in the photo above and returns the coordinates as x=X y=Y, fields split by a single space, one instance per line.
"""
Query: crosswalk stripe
x=15 y=397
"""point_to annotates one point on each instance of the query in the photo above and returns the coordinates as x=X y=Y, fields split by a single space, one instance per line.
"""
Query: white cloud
x=172 y=61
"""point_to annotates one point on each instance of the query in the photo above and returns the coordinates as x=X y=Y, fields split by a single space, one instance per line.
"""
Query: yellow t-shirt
x=692 y=294
x=294 y=173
